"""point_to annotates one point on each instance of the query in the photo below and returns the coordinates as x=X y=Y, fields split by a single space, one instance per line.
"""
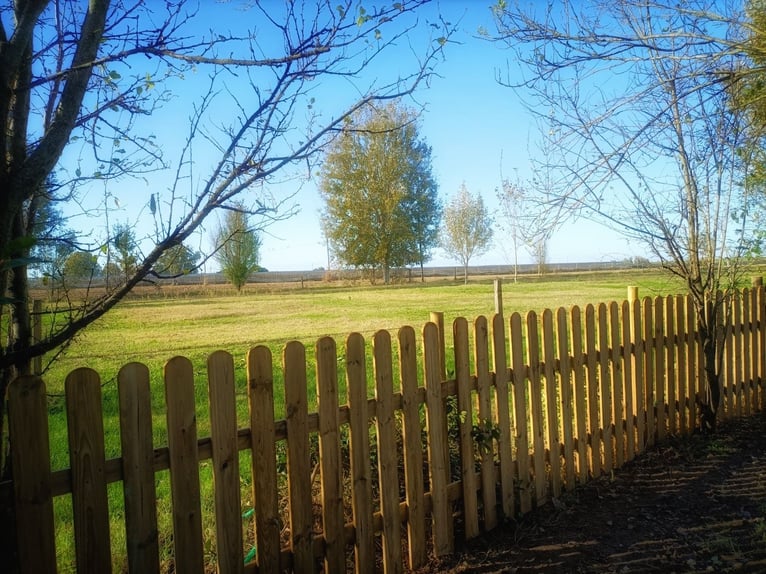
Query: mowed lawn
x=154 y=326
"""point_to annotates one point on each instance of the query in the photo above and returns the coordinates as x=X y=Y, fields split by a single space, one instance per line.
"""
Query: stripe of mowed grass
x=152 y=330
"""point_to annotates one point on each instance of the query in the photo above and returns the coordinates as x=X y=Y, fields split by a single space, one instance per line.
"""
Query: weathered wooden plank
x=28 y=427
x=331 y=479
x=629 y=381
x=484 y=397
x=90 y=506
x=738 y=359
x=552 y=403
x=682 y=369
x=184 y=465
x=605 y=382
x=438 y=466
x=298 y=456
x=465 y=426
x=260 y=395
x=592 y=390
x=567 y=411
x=649 y=366
x=692 y=358
x=747 y=352
x=671 y=380
x=413 y=448
x=359 y=437
x=580 y=394
x=536 y=404
x=520 y=411
x=639 y=395
x=757 y=342
x=388 y=458
x=660 y=374
x=223 y=435
x=138 y=469
x=727 y=372
x=618 y=384
x=503 y=415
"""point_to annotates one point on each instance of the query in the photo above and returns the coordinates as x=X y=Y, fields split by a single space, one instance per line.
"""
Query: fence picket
x=465 y=426
x=90 y=506
x=592 y=390
x=727 y=373
x=30 y=452
x=536 y=403
x=223 y=437
x=503 y=415
x=388 y=459
x=629 y=381
x=260 y=395
x=331 y=479
x=138 y=469
x=671 y=347
x=438 y=465
x=580 y=394
x=184 y=465
x=413 y=449
x=682 y=370
x=738 y=359
x=298 y=457
x=660 y=380
x=747 y=356
x=649 y=364
x=639 y=361
x=359 y=437
x=520 y=412
x=693 y=354
x=552 y=403
x=567 y=413
x=618 y=374
x=605 y=381
x=759 y=349
x=483 y=391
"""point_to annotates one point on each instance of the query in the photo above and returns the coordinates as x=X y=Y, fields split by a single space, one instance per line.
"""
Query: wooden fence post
x=632 y=293
x=499 y=296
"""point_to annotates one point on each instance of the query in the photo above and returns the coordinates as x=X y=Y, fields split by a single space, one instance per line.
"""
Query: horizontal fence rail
x=535 y=405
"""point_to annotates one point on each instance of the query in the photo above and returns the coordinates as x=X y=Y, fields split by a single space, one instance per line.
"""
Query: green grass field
x=153 y=327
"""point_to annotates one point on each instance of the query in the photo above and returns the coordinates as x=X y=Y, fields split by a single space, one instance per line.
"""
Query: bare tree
x=83 y=86
x=637 y=96
x=466 y=228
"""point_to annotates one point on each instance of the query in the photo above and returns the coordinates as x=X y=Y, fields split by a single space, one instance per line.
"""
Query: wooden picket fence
x=544 y=402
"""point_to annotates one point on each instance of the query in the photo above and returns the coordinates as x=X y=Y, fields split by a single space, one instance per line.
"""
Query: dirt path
x=693 y=505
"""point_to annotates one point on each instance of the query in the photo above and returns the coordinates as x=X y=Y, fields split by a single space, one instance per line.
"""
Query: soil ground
x=696 y=504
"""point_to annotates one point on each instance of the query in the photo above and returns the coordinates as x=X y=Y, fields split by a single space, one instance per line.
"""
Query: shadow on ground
x=691 y=505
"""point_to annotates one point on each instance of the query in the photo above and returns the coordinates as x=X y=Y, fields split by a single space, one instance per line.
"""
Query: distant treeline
x=407 y=274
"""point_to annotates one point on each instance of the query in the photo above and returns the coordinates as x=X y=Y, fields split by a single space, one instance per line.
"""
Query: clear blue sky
x=477 y=130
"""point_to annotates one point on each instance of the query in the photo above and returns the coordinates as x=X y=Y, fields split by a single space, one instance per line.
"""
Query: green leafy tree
x=467 y=228
x=81 y=266
x=176 y=261
x=237 y=247
x=381 y=200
